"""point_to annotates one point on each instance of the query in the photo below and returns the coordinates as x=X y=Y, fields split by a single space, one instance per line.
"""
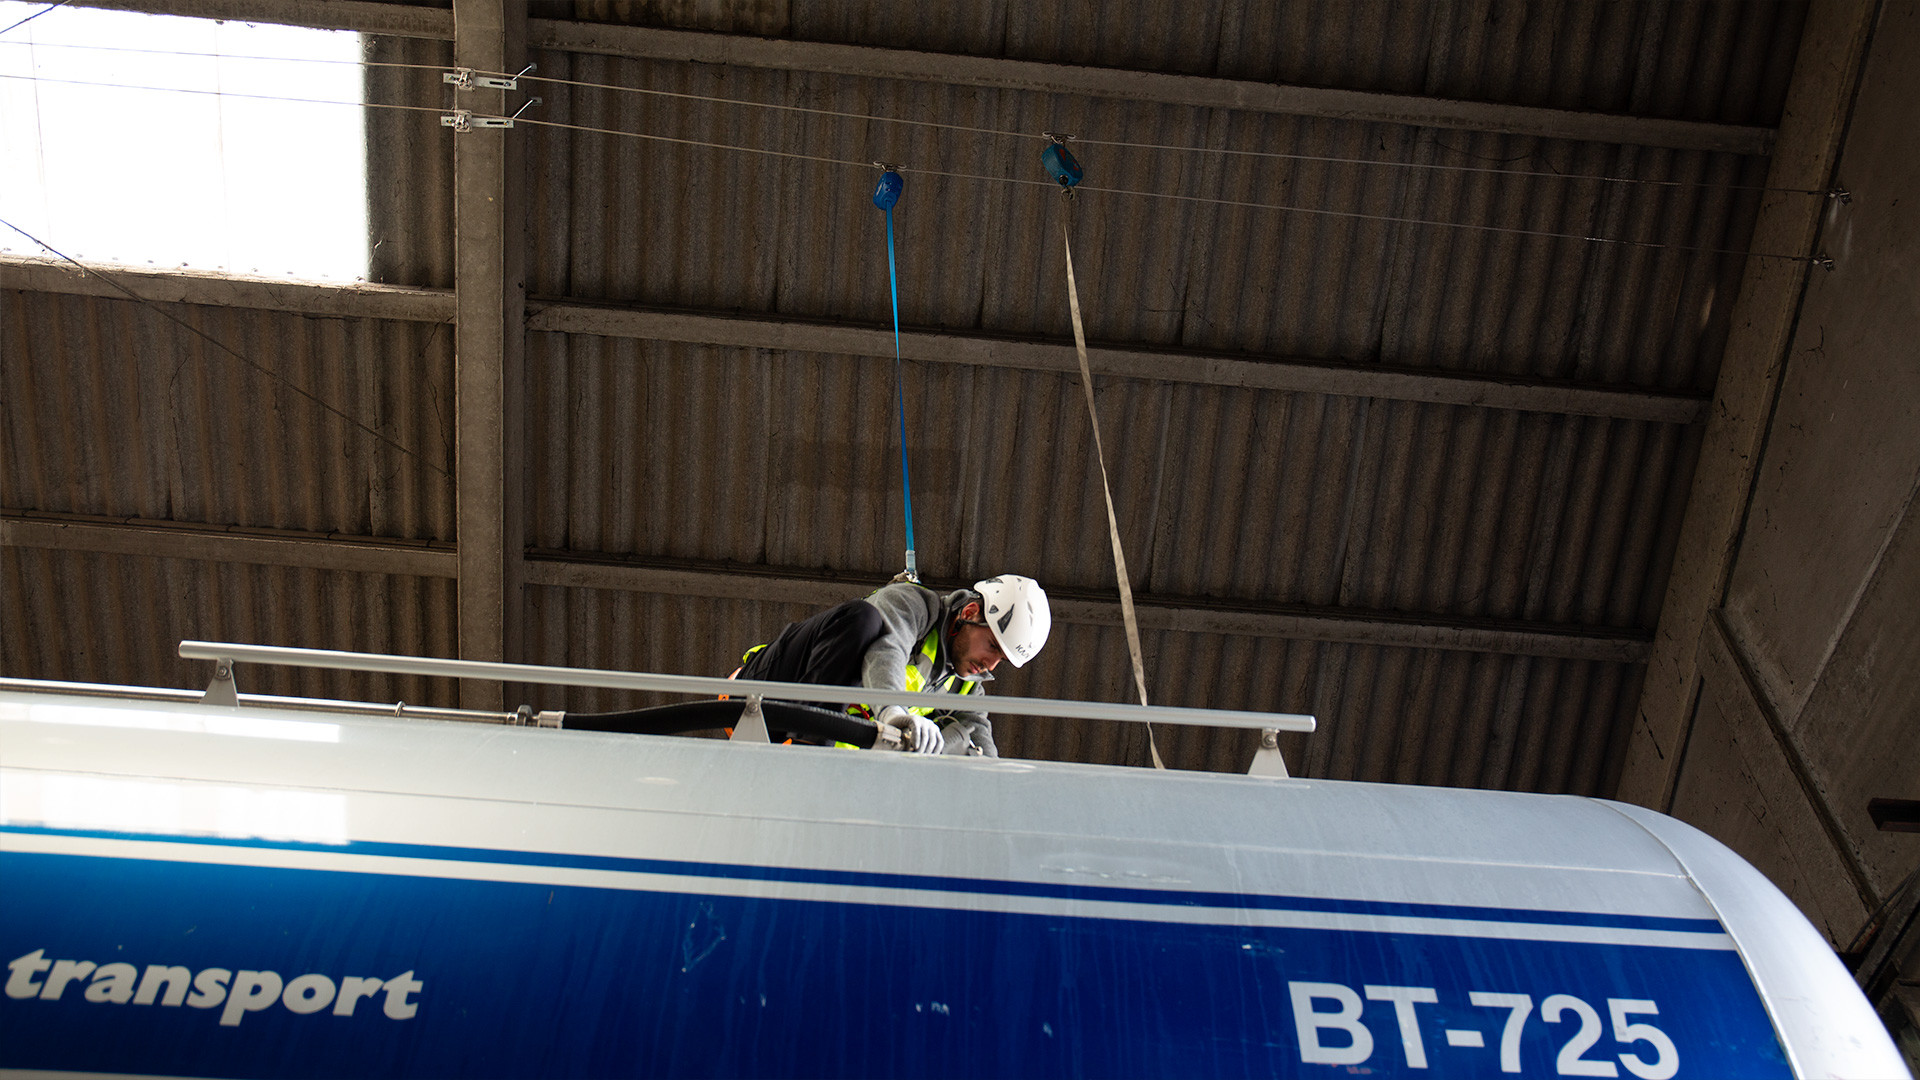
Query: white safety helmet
x=1015 y=609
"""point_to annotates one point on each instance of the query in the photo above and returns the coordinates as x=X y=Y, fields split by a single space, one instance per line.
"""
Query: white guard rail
x=706 y=686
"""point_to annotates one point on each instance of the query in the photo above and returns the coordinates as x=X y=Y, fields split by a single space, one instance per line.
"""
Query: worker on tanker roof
x=908 y=637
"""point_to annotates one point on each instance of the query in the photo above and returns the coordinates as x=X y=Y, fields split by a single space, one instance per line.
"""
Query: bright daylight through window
x=230 y=178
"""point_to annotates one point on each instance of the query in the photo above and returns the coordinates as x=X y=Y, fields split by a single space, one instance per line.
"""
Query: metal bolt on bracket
x=222 y=690
x=1267 y=760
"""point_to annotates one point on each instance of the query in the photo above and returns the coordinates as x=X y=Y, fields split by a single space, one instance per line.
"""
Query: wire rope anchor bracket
x=1840 y=194
x=467 y=79
x=1824 y=261
x=463 y=120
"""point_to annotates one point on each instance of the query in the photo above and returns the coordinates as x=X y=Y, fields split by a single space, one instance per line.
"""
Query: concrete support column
x=1826 y=74
x=489 y=348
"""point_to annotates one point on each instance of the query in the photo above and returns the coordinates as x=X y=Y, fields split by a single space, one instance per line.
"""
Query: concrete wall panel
x=1739 y=784
x=1808 y=674
x=1844 y=446
x=1861 y=727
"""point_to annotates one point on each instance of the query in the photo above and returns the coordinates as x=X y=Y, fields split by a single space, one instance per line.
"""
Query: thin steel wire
x=1488 y=169
x=840 y=113
x=220 y=55
x=30 y=18
x=679 y=141
x=866 y=165
x=161 y=310
x=228 y=94
x=1092 y=189
x=790 y=155
x=1276 y=155
x=1391 y=219
x=1273 y=155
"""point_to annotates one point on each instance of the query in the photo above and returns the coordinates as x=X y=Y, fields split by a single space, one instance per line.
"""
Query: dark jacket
x=870 y=643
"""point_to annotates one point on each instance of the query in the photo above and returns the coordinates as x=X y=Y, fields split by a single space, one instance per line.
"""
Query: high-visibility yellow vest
x=919 y=670
x=920 y=667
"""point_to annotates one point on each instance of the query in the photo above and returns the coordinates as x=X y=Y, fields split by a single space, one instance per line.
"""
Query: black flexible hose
x=820 y=725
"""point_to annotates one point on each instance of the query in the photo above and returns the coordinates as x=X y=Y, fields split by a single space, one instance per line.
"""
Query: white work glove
x=922 y=735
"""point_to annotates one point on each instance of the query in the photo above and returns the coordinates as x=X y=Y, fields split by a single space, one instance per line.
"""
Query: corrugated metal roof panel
x=1722 y=61
x=672 y=451
x=623 y=219
x=90 y=617
x=409 y=163
x=1385 y=714
x=235 y=417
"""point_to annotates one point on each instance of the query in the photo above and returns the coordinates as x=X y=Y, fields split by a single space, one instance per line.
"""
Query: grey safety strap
x=1106 y=488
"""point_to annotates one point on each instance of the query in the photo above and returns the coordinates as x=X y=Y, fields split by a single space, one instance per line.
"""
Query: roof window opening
x=168 y=142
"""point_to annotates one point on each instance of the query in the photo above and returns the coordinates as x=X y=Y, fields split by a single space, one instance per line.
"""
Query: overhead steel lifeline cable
x=1544 y=174
x=1271 y=154
x=1279 y=155
x=1066 y=171
x=885 y=194
x=230 y=94
x=201 y=54
x=508 y=121
x=1648 y=245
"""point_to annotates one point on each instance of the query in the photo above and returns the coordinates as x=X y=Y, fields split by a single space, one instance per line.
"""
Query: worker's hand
x=926 y=736
x=923 y=735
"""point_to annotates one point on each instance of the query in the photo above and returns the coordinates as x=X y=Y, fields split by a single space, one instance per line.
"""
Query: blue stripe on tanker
x=537 y=979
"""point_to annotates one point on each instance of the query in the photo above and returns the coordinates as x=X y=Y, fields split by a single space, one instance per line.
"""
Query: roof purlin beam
x=367 y=555
x=1155 y=613
x=762 y=332
x=212 y=543
x=360 y=16
x=359 y=300
x=648 y=43
x=1297 y=376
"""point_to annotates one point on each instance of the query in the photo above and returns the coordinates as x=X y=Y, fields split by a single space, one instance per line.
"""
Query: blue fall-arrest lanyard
x=884 y=196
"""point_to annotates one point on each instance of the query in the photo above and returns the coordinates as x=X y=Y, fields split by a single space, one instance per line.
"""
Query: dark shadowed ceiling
x=1394 y=439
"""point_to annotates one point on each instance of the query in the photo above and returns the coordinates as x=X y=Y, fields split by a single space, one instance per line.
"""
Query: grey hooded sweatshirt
x=910 y=611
